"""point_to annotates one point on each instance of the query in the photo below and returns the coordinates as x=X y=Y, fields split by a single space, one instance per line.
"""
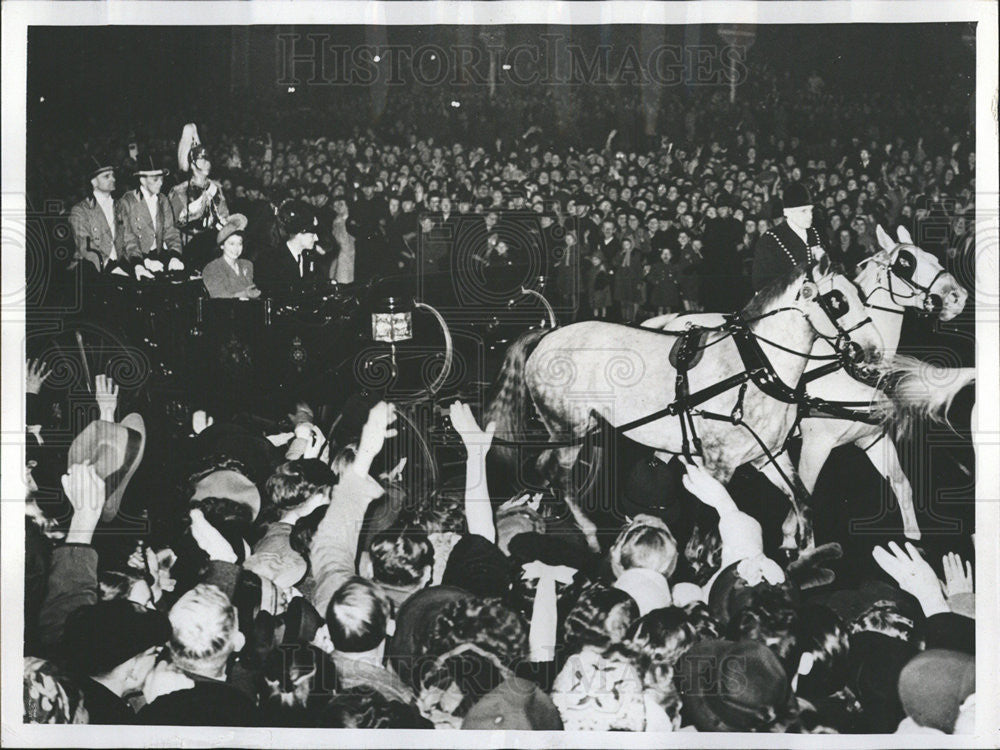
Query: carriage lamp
x=392 y=322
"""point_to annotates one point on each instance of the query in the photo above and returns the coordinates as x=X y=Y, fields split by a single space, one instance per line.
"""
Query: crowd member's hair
x=884 y=617
x=234 y=520
x=769 y=618
x=600 y=618
x=204 y=626
x=401 y=557
x=304 y=530
x=659 y=638
x=474 y=644
x=358 y=615
x=703 y=553
x=293 y=483
x=116 y=584
x=344 y=458
x=821 y=633
x=365 y=708
x=646 y=542
x=440 y=513
x=298 y=680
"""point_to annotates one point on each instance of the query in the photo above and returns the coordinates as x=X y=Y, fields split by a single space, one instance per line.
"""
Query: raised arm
x=478 y=509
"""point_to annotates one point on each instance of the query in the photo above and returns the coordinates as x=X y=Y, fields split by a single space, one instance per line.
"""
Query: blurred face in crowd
x=608 y=228
x=152 y=184
x=750 y=227
x=683 y=238
x=845 y=238
x=434 y=203
x=104 y=182
x=762 y=226
x=394 y=205
x=665 y=255
x=653 y=225
x=446 y=205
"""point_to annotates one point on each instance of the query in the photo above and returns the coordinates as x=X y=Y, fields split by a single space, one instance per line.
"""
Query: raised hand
x=465 y=424
x=913 y=574
x=86 y=493
x=37 y=373
x=210 y=539
x=200 y=421
x=707 y=488
x=106 y=396
x=957 y=580
x=375 y=432
x=175 y=264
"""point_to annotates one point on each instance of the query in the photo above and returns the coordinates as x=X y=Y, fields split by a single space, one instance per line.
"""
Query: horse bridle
x=834 y=306
x=902 y=268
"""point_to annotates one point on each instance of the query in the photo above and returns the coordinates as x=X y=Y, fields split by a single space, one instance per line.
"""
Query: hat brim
x=114 y=498
x=152 y=173
x=101 y=170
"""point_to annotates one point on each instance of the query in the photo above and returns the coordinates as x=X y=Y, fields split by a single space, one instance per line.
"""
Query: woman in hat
x=230 y=276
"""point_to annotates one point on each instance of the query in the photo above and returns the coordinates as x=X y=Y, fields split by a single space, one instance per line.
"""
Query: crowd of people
x=296 y=579
x=295 y=588
x=626 y=226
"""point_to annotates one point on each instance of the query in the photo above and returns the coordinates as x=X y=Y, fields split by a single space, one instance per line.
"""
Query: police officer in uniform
x=792 y=242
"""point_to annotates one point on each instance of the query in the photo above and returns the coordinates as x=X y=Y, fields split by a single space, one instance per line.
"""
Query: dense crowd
x=296 y=579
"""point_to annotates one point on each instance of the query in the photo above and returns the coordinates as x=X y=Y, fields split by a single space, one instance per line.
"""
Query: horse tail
x=918 y=389
x=509 y=408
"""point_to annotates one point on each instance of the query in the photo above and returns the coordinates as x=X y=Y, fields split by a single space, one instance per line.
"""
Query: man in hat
x=793 y=242
x=722 y=290
x=149 y=236
x=93 y=219
x=289 y=265
x=112 y=647
x=198 y=203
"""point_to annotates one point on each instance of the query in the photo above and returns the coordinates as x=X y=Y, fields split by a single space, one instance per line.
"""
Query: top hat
x=146 y=168
x=796 y=195
x=115 y=450
x=98 y=166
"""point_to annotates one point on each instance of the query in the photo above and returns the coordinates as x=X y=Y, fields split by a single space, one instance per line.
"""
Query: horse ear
x=904 y=235
x=884 y=240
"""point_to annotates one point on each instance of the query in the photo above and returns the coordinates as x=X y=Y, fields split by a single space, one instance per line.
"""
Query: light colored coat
x=136 y=234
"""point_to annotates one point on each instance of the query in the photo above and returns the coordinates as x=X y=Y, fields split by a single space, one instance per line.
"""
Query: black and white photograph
x=503 y=374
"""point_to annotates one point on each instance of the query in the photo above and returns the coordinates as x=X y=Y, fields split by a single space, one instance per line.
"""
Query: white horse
x=899 y=277
x=626 y=375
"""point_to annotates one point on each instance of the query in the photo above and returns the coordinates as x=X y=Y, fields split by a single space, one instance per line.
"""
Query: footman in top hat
x=149 y=236
x=93 y=219
x=794 y=241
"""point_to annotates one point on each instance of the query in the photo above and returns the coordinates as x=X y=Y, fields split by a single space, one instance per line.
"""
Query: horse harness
x=903 y=268
x=686 y=354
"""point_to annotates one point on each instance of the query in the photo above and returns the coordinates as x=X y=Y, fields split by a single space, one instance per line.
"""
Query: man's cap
x=99 y=637
x=515 y=704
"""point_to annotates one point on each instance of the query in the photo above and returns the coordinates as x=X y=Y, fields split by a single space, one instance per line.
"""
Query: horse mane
x=766 y=297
